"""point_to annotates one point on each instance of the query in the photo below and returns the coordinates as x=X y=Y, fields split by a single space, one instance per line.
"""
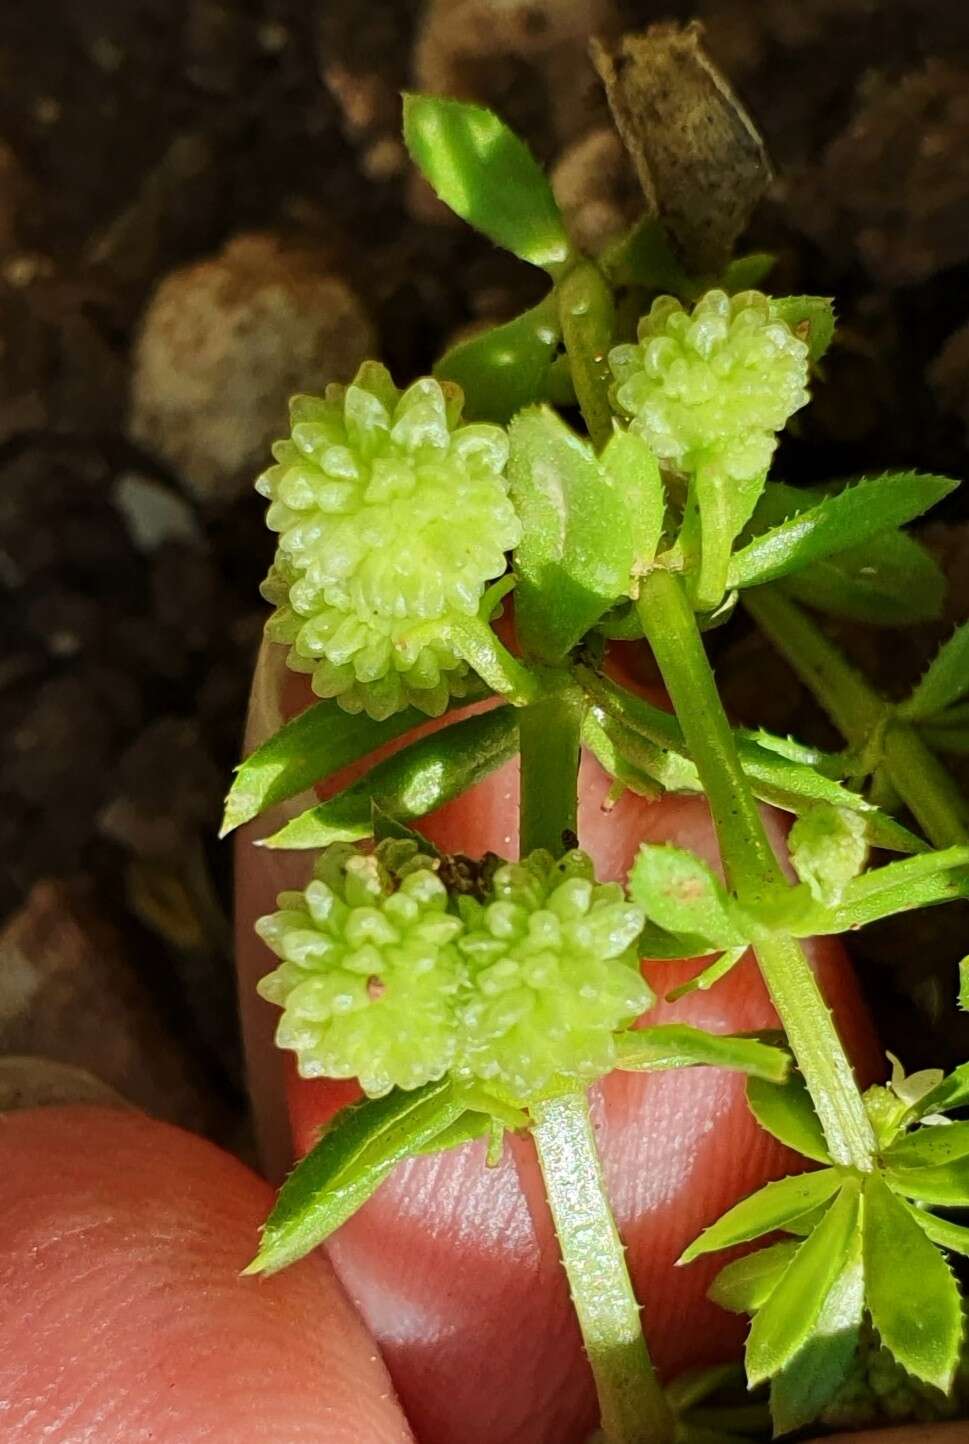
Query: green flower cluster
x=879 y=1391
x=553 y=973
x=392 y=518
x=370 y=969
x=716 y=384
x=380 y=981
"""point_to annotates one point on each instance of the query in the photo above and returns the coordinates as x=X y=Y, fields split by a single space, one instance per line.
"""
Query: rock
x=41 y=1083
x=597 y=190
x=68 y=995
x=222 y=347
x=154 y=513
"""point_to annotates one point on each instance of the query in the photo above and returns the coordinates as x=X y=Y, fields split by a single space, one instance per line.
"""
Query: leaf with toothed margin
x=910 y=1291
x=846 y=519
x=746 y=1284
x=410 y=783
x=677 y=891
x=677 y=1045
x=945 y=680
x=786 y=1111
x=774 y=1206
x=790 y=1315
x=811 y=318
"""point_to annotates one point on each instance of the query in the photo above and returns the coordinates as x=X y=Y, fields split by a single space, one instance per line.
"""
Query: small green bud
x=714 y=384
x=392 y=518
x=369 y=969
x=554 y=971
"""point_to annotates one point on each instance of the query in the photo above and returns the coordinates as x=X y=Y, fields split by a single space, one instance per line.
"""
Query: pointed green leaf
x=910 y=1292
x=952 y=1092
x=945 y=680
x=469 y=1127
x=644 y=258
x=912 y=882
x=929 y=1146
x=635 y=470
x=942 y=1231
x=876 y=504
x=411 y=783
x=677 y=1045
x=774 y=1206
x=507 y=367
x=679 y=892
x=351 y=1160
x=576 y=554
x=944 y=1185
x=487 y=175
x=820 y=1367
x=383 y=826
x=811 y=318
x=746 y=273
x=622 y=752
x=787 y=1112
x=964 y=985
x=306 y=750
x=889 y=580
x=790 y=1314
x=745 y=1285
x=828 y=847
x=704 y=980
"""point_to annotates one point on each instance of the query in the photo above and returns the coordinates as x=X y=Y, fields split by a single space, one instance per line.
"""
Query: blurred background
x=204 y=207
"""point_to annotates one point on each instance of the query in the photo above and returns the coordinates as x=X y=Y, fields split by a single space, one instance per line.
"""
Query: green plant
x=475 y=1000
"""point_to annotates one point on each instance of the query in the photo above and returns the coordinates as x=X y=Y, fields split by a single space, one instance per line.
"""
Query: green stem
x=927 y=788
x=922 y=782
x=854 y=707
x=587 y=318
x=631 y=1400
x=548 y=733
x=752 y=870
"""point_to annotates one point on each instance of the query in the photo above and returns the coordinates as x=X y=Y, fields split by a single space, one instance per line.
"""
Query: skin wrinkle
x=117 y=1330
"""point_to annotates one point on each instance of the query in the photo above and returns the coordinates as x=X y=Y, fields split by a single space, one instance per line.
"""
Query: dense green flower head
x=369 y=969
x=553 y=972
x=712 y=385
x=392 y=518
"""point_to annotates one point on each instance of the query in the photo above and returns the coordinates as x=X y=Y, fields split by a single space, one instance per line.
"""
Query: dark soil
x=138 y=136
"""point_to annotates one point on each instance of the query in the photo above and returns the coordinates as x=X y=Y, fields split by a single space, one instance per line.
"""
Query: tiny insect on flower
x=392 y=518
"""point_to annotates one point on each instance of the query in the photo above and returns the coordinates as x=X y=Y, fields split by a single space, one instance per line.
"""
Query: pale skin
x=121 y=1242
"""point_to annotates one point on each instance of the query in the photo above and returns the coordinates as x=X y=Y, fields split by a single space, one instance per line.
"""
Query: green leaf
x=487 y=175
x=944 y=1186
x=745 y=1285
x=576 y=554
x=681 y=894
x=506 y=367
x=351 y=1160
x=311 y=747
x=643 y=257
x=828 y=848
x=469 y=1127
x=911 y=1294
x=811 y=318
x=745 y=273
x=787 y=1112
x=929 y=1146
x=677 y=1045
x=383 y=826
x=942 y=1231
x=792 y=1311
x=852 y=516
x=945 y=680
x=411 y=783
x=889 y=580
x=629 y=756
x=774 y=1206
x=963 y=999
x=952 y=1092
x=635 y=471
x=820 y=1367
x=703 y=981
x=912 y=882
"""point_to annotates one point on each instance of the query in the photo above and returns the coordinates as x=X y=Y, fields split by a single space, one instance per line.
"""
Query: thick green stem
x=587 y=318
x=631 y=1400
x=752 y=870
x=922 y=782
x=548 y=732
